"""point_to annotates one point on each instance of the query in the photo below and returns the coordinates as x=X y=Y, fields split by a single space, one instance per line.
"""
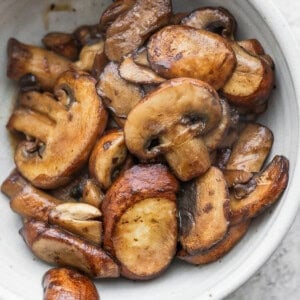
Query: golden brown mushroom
x=203 y=212
x=55 y=246
x=252 y=81
x=66 y=284
x=118 y=95
x=66 y=129
x=182 y=51
x=140 y=223
x=234 y=235
x=108 y=157
x=130 y=30
x=214 y=19
x=63 y=44
x=250 y=199
x=171 y=121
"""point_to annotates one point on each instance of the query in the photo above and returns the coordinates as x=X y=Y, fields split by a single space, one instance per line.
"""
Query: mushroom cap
x=68 y=128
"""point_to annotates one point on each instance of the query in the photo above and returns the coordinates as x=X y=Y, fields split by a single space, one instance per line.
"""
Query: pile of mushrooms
x=139 y=143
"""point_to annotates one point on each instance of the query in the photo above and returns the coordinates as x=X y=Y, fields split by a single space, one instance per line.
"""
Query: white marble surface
x=279 y=278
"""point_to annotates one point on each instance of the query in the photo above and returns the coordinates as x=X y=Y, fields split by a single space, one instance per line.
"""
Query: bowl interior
x=21 y=272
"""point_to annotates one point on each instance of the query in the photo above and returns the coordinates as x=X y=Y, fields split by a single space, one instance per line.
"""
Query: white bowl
x=21 y=273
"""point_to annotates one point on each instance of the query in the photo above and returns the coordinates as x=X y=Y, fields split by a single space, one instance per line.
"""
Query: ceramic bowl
x=21 y=273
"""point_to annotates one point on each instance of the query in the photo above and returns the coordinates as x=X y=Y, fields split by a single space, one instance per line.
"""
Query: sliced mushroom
x=249 y=200
x=215 y=137
x=179 y=51
x=92 y=194
x=214 y=19
x=88 y=54
x=26 y=200
x=118 y=95
x=63 y=284
x=234 y=177
x=254 y=47
x=55 y=246
x=79 y=218
x=87 y=34
x=140 y=57
x=234 y=235
x=113 y=11
x=203 y=212
x=63 y=44
x=252 y=81
x=45 y=65
x=132 y=72
x=171 y=121
x=130 y=30
x=140 y=223
x=107 y=158
x=251 y=149
x=68 y=129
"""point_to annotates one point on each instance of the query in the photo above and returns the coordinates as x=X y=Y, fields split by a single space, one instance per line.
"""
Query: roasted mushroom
x=171 y=121
x=26 y=200
x=92 y=194
x=45 y=65
x=182 y=51
x=140 y=57
x=108 y=157
x=203 y=212
x=118 y=95
x=63 y=44
x=234 y=235
x=252 y=81
x=214 y=19
x=67 y=130
x=113 y=11
x=140 y=223
x=88 y=34
x=249 y=200
x=130 y=30
x=251 y=149
x=66 y=284
x=135 y=73
x=55 y=246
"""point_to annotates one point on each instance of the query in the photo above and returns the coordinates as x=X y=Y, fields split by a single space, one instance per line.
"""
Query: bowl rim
x=268 y=10
x=273 y=17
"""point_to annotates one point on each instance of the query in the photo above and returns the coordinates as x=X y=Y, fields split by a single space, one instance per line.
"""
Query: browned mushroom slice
x=140 y=57
x=108 y=156
x=252 y=198
x=87 y=34
x=214 y=138
x=45 y=65
x=234 y=177
x=171 y=121
x=26 y=200
x=68 y=129
x=62 y=43
x=178 y=51
x=113 y=11
x=118 y=95
x=79 y=218
x=234 y=235
x=62 y=284
x=140 y=221
x=203 y=212
x=92 y=194
x=55 y=246
x=251 y=149
x=88 y=54
x=254 y=47
x=132 y=72
x=130 y=30
x=252 y=81
x=215 y=19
